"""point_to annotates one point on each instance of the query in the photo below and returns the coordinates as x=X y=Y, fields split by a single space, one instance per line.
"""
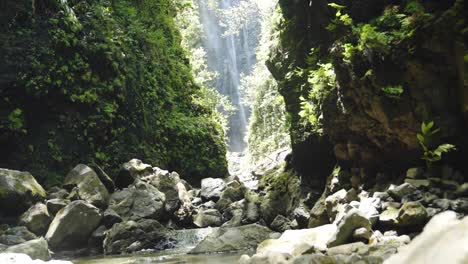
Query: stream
x=168 y=256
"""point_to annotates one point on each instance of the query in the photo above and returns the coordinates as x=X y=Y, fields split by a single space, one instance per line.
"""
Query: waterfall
x=230 y=55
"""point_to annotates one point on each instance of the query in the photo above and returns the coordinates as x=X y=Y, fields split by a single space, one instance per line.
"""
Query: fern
x=425 y=138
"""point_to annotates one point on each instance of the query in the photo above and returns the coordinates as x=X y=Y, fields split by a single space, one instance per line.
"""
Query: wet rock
x=18 y=191
x=353 y=220
x=132 y=236
x=130 y=171
x=211 y=188
x=16 y=235
x=36 y=219
x=88 y=185
x=208 y=217
x=36 y=249
x=230 y=239
x=55 y=205
x=140 y=200
x=412 y=214
x=73 y=225
x=400 y=191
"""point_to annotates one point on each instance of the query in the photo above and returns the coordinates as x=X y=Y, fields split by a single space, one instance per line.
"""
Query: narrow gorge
x=233 y=131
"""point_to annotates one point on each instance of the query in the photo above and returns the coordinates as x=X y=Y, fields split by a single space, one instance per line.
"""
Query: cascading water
x=230 y=55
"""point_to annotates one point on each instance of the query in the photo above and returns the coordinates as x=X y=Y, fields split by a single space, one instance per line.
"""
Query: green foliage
x=393 y=91
x=16 y=120
x=104 y=82
x=341 y=19
x=320 y=83
x=426 y=140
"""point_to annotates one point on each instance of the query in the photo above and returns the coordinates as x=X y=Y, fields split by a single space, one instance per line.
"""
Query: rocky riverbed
x=146 y=209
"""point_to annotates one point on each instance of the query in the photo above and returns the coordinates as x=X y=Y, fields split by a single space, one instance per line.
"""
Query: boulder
x=36 y=219
x=55 y=205
x=131 y=236
x=415 y=173
x=232 y=239
x=412 y=214
x=140 y=200
x=183 y=215
x=16 y=235
x=460 y=205
x=231 y=194
x=58 y=194
x=73 y=225
x=36 y=249
x=167 y=183
x=88 y=184
x=389 y=216
x=130 y=171
x=110 y=217
x=297 y=242
x=400 y=191
x=105 y=179
x=353 y=220
x=280 y=224
x=211 y=188
x=208 y=217
x=443 y=240
x=19 y=258
x=18 y=191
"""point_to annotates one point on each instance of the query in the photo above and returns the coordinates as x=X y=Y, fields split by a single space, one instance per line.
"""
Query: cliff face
x=359 y=78
x=86 y=81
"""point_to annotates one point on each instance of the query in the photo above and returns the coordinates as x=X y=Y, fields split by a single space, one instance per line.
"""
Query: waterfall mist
x=231 y=55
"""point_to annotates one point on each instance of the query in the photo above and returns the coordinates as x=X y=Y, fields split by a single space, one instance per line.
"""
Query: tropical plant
x=426 y=140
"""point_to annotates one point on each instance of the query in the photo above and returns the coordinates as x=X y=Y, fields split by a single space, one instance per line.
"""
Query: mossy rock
x=18 y=191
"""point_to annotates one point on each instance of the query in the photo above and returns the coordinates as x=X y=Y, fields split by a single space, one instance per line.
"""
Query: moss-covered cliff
x=359 y=78
x=100 y=81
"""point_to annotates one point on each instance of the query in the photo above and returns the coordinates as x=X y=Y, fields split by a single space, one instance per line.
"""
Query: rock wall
x=391 y=65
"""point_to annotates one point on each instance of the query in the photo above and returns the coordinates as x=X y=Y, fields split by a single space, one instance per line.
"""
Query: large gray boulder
x=131 y=236
x=18 y=191
x=36 y=249
x=211 y=188
x=141 y=200
x=73 y=225
x=36 y=219
x=88 y=184
x=233 y=239
x=444 y=240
